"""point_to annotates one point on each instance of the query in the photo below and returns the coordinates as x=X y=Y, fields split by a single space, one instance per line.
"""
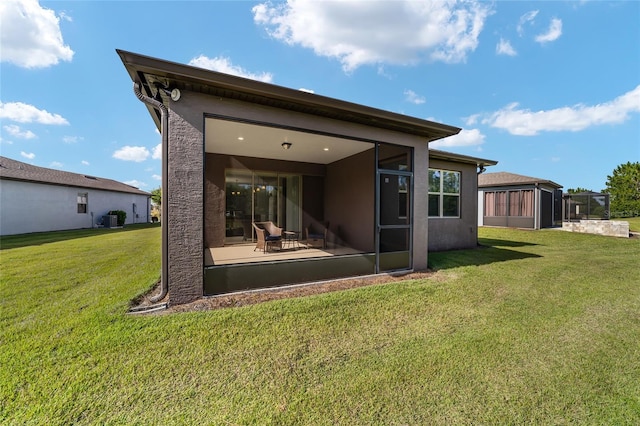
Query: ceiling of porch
x=223 y=137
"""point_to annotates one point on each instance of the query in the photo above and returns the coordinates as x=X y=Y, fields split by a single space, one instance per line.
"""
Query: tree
x=578 y=190
x=156 y=201
x=624 y=189
x=156 y=196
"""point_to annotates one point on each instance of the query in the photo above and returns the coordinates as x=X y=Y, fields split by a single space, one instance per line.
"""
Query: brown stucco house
x=452 y=208
x=347 y=186
x=517 y=201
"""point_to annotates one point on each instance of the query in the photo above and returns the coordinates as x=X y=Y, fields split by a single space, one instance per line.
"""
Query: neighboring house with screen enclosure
x=517 y=201
x=266 y=186
x=39 y=199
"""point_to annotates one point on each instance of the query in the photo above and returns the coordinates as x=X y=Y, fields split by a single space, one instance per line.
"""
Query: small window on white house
x=82 y=202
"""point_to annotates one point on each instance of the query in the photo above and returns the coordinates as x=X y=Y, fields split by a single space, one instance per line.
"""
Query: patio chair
x=314 y=238
x=268 y=236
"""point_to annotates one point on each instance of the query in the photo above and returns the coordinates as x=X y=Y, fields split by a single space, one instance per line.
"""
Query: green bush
x=122 y=216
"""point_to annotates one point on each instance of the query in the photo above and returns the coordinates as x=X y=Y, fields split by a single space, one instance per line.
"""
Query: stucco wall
x=462 y=232
x=34 y=207
x=350 y=200
x=184 y=195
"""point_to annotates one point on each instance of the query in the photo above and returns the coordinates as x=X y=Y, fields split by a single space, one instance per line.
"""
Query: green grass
x=538 y=327
x=634 y=223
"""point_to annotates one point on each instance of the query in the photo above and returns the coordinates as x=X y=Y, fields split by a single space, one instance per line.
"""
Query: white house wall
x=480 y=207
x=34 y=207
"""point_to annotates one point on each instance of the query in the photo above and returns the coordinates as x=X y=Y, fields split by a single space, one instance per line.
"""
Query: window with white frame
x=444 y=193
x=82 y=202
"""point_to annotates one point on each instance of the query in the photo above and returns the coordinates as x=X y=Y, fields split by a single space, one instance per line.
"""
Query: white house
x=37 y=199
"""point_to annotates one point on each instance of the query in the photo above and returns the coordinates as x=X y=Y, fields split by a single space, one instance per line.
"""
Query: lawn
x=634 y=223
x=536 y=327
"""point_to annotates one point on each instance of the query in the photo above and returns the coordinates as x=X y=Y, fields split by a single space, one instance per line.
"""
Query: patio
x=245 y=253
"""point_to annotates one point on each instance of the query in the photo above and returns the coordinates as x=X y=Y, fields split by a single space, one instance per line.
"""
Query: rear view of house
x=38 y=199
x=517 y=201
x=344 y=188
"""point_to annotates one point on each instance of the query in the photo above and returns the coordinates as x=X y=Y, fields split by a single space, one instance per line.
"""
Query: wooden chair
x=268 y=236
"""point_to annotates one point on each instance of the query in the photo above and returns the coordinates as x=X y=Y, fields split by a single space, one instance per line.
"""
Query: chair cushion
x=316 y=236
x=273 y=238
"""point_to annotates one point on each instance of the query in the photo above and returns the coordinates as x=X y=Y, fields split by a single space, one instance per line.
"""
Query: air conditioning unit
x=110 y=221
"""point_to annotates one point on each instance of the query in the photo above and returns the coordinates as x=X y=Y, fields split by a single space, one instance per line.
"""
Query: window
x=82 y=202
x=394 y=157
x=509 y=203
x=444 y=193
x=403 y=200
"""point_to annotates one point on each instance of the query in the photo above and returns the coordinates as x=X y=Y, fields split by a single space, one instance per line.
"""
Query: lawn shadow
x=492 y=242
x=38 y=238
x=483 y=255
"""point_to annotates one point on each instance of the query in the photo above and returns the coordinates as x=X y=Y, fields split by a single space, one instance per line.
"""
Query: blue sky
x=548 y=89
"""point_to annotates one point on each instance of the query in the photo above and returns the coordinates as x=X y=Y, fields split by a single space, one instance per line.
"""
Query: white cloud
x=16 y=131
x=56 y=165
x=578 y=117
x=413 y=97
x=29 y=155
x=6 y=142
x=31 y=36
x=472 y=119
x=157 y=152
x=366 y=33
x=72 y=139
x=85 y=162
x=471 y=137
x=504 y=48
x=222 y=64
x=132 y=153
x=526 y=18
x=135 y=183
x=157 y=177
x=25 y=113
x=66 y=17
x=553 y=33
x=302 y=89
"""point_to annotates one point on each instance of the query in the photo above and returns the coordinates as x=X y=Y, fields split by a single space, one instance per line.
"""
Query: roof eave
x=460 y=158
x=536 y=182
x=175 y=73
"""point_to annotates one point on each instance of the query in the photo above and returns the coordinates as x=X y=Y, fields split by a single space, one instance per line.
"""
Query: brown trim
x=184 y=77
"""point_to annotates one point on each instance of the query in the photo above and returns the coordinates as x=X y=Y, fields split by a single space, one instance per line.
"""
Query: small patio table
x=290 y=240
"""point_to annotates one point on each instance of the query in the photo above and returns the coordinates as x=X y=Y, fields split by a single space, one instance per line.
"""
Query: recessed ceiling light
x=240 y=138
x=326 y=149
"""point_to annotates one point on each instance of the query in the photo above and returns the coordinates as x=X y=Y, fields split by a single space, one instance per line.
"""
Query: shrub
x=122 y=216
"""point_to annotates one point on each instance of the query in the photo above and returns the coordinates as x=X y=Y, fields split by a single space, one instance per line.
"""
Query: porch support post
x=420 y=206
x=186 y=194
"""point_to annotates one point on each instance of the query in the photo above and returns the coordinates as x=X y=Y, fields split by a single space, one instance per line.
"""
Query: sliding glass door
x=260 y=197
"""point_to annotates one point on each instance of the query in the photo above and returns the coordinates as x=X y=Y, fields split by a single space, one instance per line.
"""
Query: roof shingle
x=17 y=170
x=509 y=179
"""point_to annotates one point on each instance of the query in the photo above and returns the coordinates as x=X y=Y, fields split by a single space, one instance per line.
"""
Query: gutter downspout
x=164 y=207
